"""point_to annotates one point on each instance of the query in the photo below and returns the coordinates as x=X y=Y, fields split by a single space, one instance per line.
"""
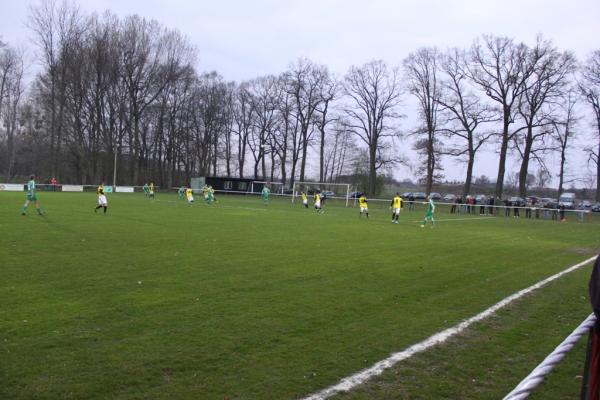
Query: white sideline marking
x=361 y=377
x=457 y=219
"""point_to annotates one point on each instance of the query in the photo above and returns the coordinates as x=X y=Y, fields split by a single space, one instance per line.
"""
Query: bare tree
x=464 y=113
x=498 y=67
x=264 y=105
x=243 y=123
x=590 y=89
x=550 y=71
x=374 y=92
x=563 y=129
x=421 y=69
x=12 y=70
x=305 y=80
x=338 y=151
x=324 y=118
x=55 y=29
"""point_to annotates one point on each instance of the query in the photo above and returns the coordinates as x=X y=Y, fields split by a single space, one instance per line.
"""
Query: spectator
x=411 y=202
x=491 y=202
x=528 y=209
x=516 y=212
x=53 y=182
x=506 y=208
x=581 y=213
x=562 y=213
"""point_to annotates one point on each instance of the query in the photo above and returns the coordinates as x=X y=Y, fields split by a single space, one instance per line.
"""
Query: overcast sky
x=248 y=38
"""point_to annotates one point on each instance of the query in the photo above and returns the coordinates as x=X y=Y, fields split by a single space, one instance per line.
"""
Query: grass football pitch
x=238 y=300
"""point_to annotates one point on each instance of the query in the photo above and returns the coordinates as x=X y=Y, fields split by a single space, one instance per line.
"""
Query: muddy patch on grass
x=583 y=250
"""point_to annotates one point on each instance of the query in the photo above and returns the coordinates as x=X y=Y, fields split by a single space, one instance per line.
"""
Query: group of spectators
x=490 y=206
x=494 y=206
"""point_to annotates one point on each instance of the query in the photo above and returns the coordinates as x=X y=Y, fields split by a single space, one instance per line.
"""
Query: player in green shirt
x=265 y=195
x=31 y=197
x=146 y=189
x=429 y=214
x=210 y=195
x=181 y=192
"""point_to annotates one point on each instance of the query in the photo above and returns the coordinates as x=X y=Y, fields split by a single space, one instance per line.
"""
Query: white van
x=567 y=200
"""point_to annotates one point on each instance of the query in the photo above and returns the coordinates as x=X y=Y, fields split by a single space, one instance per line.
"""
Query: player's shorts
x=102 y=200
x=318 y=204
x=364 y=209
x=396 y=210
x=305 y=202
x=32 y=197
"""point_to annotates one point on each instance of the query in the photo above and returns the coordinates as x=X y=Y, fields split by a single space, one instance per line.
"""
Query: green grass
x=159 y=300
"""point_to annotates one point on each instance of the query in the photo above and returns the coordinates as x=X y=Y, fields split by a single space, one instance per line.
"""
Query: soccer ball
x=422 y=226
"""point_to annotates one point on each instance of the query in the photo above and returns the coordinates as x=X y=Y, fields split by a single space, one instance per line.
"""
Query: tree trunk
x=303 y=161
x=502 y=161
x=469 y=178
x=525 y=163
x=372 y=168
x=322 y=156
x=598 y=167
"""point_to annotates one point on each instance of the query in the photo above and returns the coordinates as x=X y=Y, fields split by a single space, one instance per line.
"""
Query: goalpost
x=275 y=187
x=340 y=190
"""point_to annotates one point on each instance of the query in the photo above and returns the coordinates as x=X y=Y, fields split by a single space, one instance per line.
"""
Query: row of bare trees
x=125 y=94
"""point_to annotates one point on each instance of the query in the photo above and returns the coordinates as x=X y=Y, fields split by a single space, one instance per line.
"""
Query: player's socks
x=24 y=210
x=39 y=211
x=105 y=208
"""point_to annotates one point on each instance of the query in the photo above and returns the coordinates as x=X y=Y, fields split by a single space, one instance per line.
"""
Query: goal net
x=276 y=188
x=330 y=190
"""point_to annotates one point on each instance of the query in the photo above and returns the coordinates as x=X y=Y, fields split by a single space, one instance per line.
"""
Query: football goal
x=330 y=190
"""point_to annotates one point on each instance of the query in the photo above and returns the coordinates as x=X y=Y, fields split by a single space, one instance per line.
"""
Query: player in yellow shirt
x=362 y=204
x=397 y=204
x=318 y=202
x=304 y=199
x=151 y=190
x=189 y=195
x=102 y=202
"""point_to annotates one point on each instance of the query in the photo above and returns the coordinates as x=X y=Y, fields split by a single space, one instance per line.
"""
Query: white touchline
x=457 y=219
x=361 y=377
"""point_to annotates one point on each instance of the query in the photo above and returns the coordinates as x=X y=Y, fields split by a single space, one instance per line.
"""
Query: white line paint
x=361 y=377
x=457 y=219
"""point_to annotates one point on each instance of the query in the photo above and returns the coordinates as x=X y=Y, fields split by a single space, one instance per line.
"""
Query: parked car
x=354 y=195
x=450 y=197
x=533 y=200
x=406 y=195
x=517 y=201
x=435 y=196
x=567 y=200
x=544 y=201
x=419 y=196
x=327 y=193
x=585 y=204
x=480 y=199
x=596 y=207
